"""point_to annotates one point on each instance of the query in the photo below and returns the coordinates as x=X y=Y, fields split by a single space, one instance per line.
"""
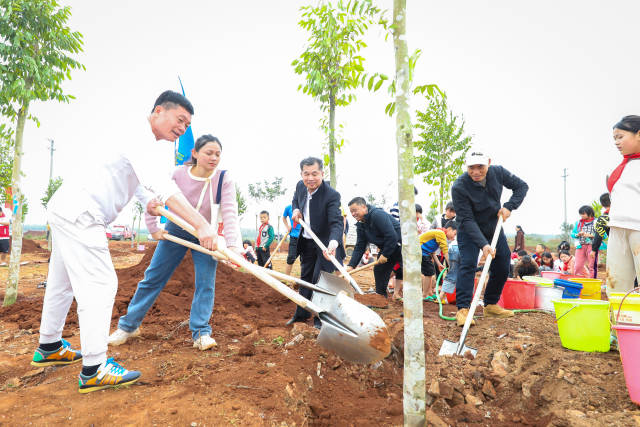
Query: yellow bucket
x=630 y=311
x=591 y=288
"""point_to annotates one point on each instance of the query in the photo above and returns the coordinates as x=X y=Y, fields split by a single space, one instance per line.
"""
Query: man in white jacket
x=81 y=264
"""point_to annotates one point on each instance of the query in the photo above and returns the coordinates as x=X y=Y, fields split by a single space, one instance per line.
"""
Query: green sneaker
x=65 y=355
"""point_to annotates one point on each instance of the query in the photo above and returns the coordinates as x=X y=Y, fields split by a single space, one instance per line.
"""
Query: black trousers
x=312 y=262
x=263 y=256
x=382 y=272
x=293 y=250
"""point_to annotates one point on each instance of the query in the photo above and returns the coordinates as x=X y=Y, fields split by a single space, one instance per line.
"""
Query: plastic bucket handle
x=622 y=301
x=565 y=313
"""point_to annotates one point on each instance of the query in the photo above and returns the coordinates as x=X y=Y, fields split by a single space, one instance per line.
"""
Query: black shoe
x=295 y=319
x=317 y=323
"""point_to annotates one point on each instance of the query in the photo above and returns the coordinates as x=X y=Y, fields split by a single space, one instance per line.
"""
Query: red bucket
x=518 y=295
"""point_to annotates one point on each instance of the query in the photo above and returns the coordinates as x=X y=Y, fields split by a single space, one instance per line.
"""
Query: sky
x=539 y=84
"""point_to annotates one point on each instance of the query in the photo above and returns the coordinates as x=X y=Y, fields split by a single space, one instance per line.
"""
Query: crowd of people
x=204 y=196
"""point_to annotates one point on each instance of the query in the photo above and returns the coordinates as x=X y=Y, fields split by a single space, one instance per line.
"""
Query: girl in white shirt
x=623 y=253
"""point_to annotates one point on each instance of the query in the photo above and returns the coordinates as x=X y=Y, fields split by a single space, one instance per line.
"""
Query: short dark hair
x=629 y=123
x=264 y=212
x=310 y=161
x=543 y=246
x=418 y=208
x=546 y=255
x=357 y=201
x=605 y=200
x=587 y=210
x=170 y=99
x=452 y=225
x=246 y=242
x=564 y=245
x=522 y=253
x=564 y=252
x=449 y=207
x=526 y=267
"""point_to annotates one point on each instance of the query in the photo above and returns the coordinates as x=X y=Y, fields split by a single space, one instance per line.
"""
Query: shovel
x=266 y=264
x=350 y=329
x=364 y=267
x=449 y=348
x=333 y=259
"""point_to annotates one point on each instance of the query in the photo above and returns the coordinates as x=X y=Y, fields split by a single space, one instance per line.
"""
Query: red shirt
x=4 y=229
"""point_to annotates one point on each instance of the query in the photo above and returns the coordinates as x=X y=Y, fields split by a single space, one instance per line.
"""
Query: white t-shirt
x=104 y=185
x=625 y=198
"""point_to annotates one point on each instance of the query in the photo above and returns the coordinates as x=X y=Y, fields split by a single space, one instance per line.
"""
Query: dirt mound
x=30 y=246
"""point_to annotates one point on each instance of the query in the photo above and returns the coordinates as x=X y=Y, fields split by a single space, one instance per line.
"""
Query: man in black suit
x=319 y=205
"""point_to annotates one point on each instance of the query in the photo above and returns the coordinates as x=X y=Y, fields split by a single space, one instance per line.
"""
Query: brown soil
x=263 y=373
x=372 y=300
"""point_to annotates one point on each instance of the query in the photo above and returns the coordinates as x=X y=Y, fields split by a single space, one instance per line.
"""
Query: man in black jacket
x=319 y=205
x=380 y=228
x=476 y=198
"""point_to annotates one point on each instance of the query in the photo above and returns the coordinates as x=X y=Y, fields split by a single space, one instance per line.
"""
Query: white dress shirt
x=306 y=214
x=142 y=167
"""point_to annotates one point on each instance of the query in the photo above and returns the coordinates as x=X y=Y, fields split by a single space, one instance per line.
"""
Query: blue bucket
x=571 y=289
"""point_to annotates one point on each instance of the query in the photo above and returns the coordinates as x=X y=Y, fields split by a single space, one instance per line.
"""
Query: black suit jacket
x=326 y=220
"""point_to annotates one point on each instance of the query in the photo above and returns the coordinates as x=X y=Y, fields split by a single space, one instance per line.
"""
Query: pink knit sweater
x=191 y=186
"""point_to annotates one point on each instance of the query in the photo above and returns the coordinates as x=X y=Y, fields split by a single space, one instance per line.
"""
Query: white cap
x=476 y=157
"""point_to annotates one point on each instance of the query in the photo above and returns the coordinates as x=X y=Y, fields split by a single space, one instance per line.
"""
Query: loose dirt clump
x=372 y=300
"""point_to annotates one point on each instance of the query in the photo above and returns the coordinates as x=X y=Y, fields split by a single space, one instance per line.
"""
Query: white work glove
x=331 y=249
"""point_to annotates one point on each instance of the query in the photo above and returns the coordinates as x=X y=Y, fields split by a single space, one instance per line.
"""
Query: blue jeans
x=498 y=271
x=166 y=259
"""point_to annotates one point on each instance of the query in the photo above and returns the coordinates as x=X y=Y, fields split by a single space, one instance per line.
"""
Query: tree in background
x=378 y=202
x=332 y=64
x=442 y=146
x=6 y=160
x=35 y=57
x=414 y=389
x=53 y=186
x=266 y=190
x=242 y=202
x=138 y=213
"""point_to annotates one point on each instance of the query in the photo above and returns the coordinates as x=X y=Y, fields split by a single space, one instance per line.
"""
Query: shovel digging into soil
x=349 y=329
x=449 y=348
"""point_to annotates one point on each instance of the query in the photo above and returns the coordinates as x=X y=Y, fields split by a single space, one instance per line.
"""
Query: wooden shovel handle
x=255 y=271
x=364 y=267
x=333 y=259
x=277 y=247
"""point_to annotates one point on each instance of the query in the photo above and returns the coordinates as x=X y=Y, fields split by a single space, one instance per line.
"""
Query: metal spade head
x=332 y=284
x=450 y=348
x=354 y=331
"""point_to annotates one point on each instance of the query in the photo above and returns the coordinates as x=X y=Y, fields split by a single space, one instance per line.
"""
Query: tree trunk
x=442 y=192
x=16 y=242
x=414 y=391
x=333 y=179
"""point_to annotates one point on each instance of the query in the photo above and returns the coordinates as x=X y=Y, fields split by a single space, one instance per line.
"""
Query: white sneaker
x=120 y=336
x=204 y=342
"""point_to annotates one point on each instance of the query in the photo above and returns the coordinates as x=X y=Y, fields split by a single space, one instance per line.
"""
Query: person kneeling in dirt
x=380 y=228
x=476 y=197
x=212 y=192
x=81 y=264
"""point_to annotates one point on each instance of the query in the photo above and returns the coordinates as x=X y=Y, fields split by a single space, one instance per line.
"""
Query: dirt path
x=521 y=375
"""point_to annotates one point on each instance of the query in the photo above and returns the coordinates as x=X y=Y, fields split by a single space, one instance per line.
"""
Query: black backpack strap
x=219 y=192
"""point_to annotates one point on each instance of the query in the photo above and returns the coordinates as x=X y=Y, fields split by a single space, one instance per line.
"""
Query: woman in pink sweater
x=212 y=193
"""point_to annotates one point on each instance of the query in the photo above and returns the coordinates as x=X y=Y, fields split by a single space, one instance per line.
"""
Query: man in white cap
x=476 y=199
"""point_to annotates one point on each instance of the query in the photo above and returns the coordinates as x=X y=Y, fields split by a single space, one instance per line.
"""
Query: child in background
x=429 y=243
x=423 y=226
x=623 y=257
x=540 y=249
x=602 y=232
x=449 y=282
x=248 y=252
x=546 y=262
x=264 y=240
x=584 y=231
x=526 y=267
x=367 y=258
x=557 y=263
x=569 y=264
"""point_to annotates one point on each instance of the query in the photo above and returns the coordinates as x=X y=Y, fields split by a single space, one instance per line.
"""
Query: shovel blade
x=450 y=348
x=353 y=331
x=333 y=284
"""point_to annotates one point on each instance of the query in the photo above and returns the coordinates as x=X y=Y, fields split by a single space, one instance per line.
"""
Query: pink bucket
x=629 y=345
x=552 y=274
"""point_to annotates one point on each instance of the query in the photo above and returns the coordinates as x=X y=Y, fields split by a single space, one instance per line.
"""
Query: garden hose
x=475 y=317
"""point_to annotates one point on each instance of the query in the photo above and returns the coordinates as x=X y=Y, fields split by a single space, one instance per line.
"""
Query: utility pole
x=564 y=177
x=51 y=150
